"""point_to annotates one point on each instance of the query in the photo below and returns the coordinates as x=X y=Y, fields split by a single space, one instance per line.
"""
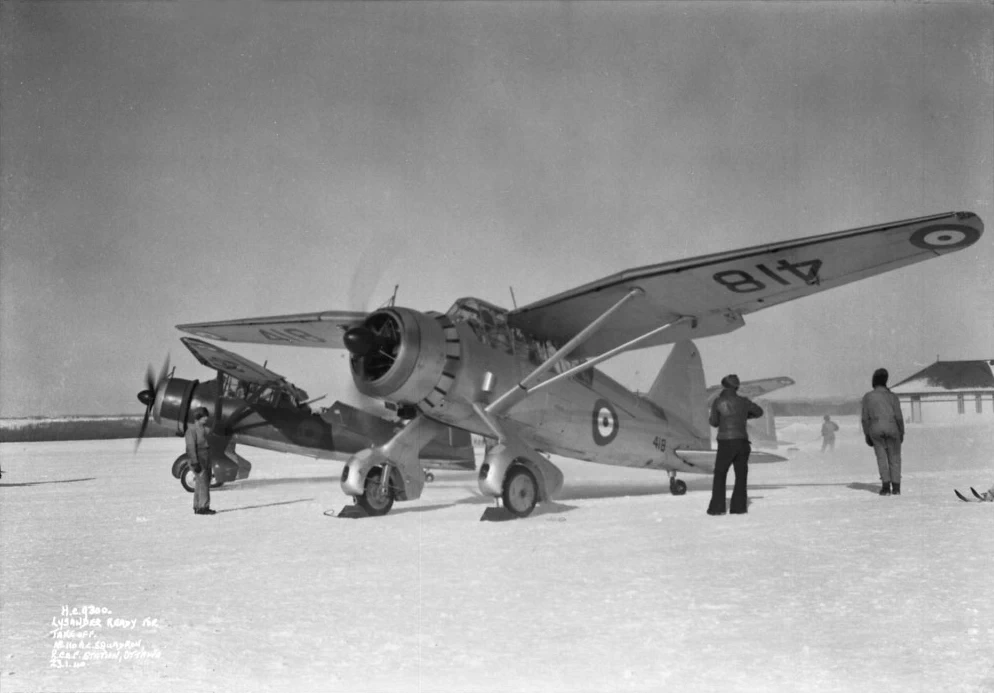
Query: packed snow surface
x=617 y=586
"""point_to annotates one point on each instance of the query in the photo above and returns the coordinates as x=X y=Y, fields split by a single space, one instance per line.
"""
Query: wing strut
x=579 y=368
x=516 y=394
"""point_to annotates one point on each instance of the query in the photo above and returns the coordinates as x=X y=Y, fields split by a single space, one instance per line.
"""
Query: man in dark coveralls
x=729 y=413
x=198 y=451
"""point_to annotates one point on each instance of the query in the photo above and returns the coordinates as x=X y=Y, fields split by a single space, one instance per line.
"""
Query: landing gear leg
x=678 y=487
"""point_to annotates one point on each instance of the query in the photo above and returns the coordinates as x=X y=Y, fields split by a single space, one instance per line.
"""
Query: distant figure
x=198 y=451
x=729 y=413
x=883 y=426
x=828 y=429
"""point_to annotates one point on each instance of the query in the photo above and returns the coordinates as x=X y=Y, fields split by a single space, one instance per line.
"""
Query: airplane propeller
x=373 y=345
x=147 y=396
x=369 y=343
x=359 y=341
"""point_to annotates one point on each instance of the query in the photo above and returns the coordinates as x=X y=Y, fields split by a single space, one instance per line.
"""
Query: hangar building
x=949 y=392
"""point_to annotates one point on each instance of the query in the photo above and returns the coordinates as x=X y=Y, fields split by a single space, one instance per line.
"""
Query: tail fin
x=763 y=431
x=679 y=388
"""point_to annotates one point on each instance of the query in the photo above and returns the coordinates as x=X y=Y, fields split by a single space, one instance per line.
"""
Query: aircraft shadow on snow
x=256 y=483
x=57 y=481
x=264 y=505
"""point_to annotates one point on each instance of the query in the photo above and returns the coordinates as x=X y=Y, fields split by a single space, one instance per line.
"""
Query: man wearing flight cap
x=198 y=452
x=729 y=413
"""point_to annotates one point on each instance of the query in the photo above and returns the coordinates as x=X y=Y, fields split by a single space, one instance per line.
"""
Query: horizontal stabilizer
x=755 y=388
x=703 y=460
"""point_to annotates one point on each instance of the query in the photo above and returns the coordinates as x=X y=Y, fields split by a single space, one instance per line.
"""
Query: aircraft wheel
x=678 y=487
x=373 y=500
x=178 y=465
x=429 y=477
x=187 y=478
x=216 y=483
x=520 y=491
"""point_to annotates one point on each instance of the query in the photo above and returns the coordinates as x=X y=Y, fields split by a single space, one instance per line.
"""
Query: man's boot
x=896 y=488
x=885 y=489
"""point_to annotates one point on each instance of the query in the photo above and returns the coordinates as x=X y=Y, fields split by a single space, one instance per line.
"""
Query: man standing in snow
x=729 y=413
x=198 y=452
x=883 y=426
x=828 y=430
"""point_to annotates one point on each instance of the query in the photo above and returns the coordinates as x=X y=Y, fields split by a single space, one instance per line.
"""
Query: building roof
x=943 y=376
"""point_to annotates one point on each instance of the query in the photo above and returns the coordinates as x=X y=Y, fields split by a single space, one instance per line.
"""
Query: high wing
x=755 y=388
x=321 y=330
x=713 y=292
x=239 y=367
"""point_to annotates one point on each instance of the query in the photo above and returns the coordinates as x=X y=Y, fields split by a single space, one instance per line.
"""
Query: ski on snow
x=978 y=498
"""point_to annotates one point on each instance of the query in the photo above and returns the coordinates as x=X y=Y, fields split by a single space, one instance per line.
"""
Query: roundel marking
x=310 y=432
x=605 y=422
x=944 y=237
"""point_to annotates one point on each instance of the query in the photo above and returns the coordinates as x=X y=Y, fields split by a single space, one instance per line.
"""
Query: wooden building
x=949 y=392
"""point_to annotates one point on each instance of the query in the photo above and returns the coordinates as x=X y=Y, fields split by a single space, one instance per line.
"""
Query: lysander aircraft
x=526 y=378
x=251 y=405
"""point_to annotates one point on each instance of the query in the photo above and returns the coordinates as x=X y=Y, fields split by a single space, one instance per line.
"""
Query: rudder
x=679 y=388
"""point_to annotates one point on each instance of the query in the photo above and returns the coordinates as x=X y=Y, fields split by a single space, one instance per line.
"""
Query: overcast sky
x=166 y=163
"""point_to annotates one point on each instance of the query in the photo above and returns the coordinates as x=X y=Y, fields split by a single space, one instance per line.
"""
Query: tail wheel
x=520 y=491
x=373 y=500
x=678 y=487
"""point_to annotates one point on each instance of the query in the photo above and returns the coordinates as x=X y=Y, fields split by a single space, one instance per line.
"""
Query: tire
x=187 y=478
x=520 y=491
x=372 y=500
x=678 y=487
x=178 y=465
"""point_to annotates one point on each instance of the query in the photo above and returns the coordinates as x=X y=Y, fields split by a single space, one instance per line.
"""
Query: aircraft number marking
x=659 y=444
x=605 y=422
x=289 y=334
x=784 y=273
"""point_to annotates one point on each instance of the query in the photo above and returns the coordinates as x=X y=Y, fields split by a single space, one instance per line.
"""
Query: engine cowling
x=175 y=398
x=404 y=356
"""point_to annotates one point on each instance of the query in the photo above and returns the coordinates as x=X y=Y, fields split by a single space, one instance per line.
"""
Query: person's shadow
x=860 y=486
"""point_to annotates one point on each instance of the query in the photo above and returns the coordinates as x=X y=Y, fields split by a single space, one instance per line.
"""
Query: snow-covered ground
x=619 y=586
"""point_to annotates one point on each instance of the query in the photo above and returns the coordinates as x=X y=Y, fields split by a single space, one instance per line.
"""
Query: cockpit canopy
x=489 y=323
x=282 y=394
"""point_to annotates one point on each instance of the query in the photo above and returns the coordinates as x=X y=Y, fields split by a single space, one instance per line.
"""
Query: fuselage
x=447 y=363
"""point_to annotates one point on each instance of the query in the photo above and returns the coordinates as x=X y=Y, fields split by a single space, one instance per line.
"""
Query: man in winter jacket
x=729 y=413
x=883 y=427
x=198 y=452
